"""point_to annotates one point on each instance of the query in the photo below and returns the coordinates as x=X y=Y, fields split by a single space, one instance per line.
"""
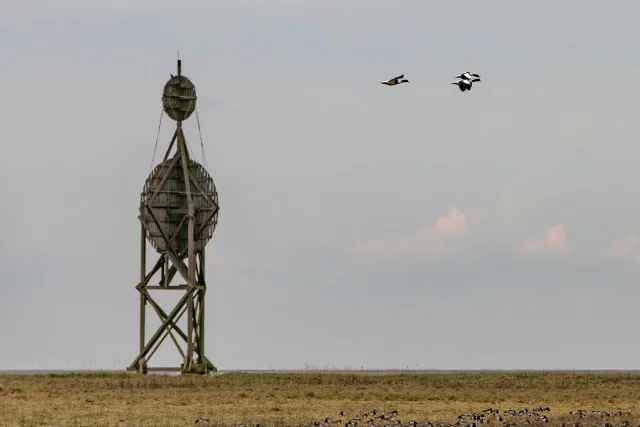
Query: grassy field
x=229 y=399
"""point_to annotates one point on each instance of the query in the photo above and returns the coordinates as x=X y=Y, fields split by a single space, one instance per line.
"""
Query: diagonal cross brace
x=165 y=177
x=162 y=327
x=149 y=275
x=167 y=332
x=161 y=313
x=205 y=194
x=182 y=268
x=181 y=255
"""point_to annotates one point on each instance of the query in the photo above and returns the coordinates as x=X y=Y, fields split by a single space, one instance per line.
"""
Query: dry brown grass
x=127 y=399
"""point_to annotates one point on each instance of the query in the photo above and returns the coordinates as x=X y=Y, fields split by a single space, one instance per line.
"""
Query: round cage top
x=179 y=98
x=164 y=208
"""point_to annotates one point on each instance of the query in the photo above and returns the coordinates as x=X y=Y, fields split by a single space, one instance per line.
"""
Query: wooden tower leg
x=142 y=367
x=201 y=299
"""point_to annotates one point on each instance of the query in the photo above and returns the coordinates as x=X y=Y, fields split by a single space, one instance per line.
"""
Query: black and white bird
x=465 y=84
x=395 y=81
x=466 y=76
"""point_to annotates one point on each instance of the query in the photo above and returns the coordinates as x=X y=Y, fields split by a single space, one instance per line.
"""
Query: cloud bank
x=436 y=238
x=626 y=248
x=554 y=241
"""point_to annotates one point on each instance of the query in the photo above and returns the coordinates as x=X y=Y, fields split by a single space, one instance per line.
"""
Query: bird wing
x=395 y=79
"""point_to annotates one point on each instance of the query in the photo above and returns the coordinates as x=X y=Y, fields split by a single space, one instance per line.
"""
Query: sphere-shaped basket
x=179 y=98
x=170 y=209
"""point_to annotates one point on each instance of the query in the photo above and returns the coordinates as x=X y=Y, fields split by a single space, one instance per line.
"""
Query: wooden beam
x=201 y=190
x=164 y=179
x=164 y=369
x=167 y=332
x=168 y=288
x=191 y=246
x=163 y=316
x=173 y=140
x=156 y=336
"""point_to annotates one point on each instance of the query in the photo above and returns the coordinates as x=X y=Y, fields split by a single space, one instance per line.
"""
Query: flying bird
x=466 y=76
x=465 y=84
x=395 y=81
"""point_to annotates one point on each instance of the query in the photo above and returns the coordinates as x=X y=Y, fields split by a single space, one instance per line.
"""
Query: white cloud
x=433 y=239
x=625 y=248
x=554 y=241
x=453 y=224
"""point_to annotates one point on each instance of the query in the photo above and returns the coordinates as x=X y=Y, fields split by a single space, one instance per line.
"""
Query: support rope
x=204 y=158
x=155 y=148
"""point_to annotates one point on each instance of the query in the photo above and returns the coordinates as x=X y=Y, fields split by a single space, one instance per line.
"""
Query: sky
x=360 y=225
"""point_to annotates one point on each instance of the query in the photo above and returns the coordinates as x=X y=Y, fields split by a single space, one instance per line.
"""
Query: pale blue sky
x=326 y=178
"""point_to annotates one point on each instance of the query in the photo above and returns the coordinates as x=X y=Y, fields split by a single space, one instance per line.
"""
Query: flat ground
x=132 y=400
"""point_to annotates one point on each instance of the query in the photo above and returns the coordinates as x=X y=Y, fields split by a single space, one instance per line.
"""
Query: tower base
x=196 y=368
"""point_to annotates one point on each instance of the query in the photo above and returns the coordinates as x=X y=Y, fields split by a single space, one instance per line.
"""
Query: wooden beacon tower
x=178 y=215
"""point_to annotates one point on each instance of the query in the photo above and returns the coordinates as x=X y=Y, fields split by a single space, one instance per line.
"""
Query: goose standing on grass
x=465 y=84
x=395 y=81
x=466 y=76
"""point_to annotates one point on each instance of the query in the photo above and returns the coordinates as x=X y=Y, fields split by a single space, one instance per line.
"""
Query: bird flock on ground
x=534 y=417
x=465 y=80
